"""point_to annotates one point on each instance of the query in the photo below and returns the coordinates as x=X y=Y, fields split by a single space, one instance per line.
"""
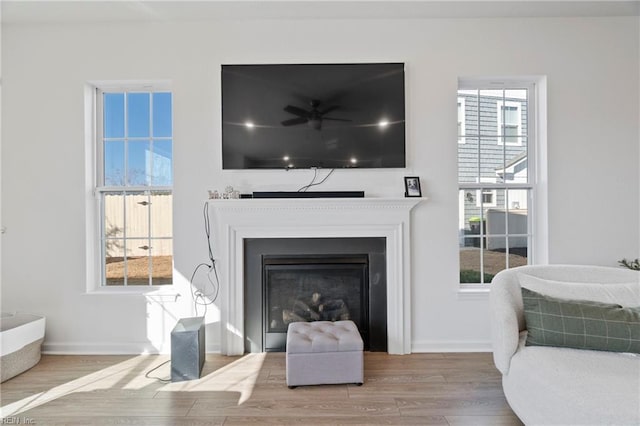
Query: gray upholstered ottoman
x=324 y=352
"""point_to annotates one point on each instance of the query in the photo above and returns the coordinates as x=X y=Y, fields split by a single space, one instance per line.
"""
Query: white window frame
x=94 y=172
x=534 y=206
x=500 y=104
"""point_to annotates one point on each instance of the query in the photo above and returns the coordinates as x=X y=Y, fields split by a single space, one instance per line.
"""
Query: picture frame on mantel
x=412 y=186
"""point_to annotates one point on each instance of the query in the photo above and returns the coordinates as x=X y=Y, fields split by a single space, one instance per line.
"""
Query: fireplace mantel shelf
x=238 y=219
x=316 y=203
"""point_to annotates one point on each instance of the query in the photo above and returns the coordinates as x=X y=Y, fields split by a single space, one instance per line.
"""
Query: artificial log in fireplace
x=314 y=279
x=314 y=288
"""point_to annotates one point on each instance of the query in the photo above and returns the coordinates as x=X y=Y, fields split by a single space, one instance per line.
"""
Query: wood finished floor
x=418 y=389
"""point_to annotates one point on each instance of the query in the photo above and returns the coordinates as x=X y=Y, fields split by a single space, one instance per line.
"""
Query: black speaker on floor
x=187 y=349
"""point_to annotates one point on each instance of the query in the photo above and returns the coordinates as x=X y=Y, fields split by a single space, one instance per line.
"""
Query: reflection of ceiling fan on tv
x=312 y=117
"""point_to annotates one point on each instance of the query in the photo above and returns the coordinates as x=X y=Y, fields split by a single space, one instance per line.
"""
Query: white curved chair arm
x=507 y=317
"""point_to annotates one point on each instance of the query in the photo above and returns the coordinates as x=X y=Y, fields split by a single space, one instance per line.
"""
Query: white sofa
x=564 y=386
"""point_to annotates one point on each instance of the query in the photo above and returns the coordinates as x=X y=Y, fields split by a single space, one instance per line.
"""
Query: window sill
x=467 y=292
x=165 y=292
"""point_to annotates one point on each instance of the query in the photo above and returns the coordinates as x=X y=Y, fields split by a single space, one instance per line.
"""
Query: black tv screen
x=283 y=116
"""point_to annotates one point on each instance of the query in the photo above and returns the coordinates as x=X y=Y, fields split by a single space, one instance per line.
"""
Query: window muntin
x=134 y=180
x=495 y=190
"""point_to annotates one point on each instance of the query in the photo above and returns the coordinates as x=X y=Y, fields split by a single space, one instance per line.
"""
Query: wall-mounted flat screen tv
x=284 y=116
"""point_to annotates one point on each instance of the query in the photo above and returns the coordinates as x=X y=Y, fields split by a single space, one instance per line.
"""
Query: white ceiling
x=29 y=11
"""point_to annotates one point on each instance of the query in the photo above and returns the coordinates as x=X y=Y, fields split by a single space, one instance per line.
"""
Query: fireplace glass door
x=316 y=288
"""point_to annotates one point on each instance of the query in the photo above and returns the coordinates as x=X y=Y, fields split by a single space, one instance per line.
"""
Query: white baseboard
x=141 y=348
x=450 y=346
x=53 y=348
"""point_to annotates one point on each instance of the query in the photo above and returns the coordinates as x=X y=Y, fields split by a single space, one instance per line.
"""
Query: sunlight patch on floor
x=102 y=379
x=239 y=376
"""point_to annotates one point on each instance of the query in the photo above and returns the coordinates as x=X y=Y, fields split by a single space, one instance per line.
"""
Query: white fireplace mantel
x=235 y=220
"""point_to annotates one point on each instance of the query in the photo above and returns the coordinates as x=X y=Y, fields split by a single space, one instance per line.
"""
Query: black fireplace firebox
x=314 y=279
x=313 y=288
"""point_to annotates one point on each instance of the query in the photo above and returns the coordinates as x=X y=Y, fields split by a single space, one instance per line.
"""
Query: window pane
x=494 y=257
x=489 y=112
x=518 y=217
x=114 y=163
x=138 y=115
x=162 y=163
x=491 y=160
x=162 y=126
x=162 y=262
x=114 y=261
x=138 y=162
x=470 y=213
x=113 y=115
x=474 y=261
x=469 y=262
x=518 y=251
x=137 y=215
x=496 y=244
x=138 y=262
x=496 y=216
x=521 y=97
x=161 y=214
x=516 y=164
x=113 y=205
x=511 y=117
x=511 y=134
x=468 y=111
x=468 y=160
x=518 y=203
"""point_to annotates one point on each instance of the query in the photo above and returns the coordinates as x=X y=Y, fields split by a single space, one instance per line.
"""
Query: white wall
x=1 y=223
x=592 y=70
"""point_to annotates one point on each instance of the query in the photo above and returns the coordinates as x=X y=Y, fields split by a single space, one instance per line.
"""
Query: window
x=494 y=179
x=134 y=186
x=509 y=122
x=486 y=197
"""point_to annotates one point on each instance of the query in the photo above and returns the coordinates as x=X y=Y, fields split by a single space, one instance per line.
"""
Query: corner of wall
x=541 y=224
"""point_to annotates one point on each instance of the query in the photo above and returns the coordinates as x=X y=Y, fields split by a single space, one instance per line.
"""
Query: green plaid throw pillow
x=580 y=324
